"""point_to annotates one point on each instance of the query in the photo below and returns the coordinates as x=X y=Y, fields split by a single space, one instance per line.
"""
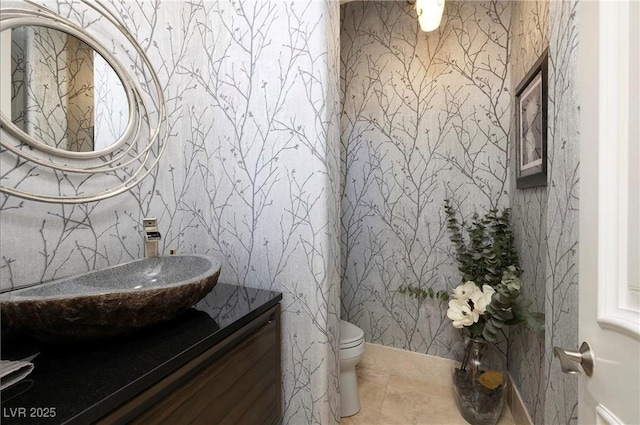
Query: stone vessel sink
x=113 y=301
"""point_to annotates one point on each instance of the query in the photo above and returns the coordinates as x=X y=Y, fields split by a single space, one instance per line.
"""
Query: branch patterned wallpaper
x=546 y=219
x=529 y=211
x=250 y=175
x=336 y=204
x=561 y=277
x=425 y=116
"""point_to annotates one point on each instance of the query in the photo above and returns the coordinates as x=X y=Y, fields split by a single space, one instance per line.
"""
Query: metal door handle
x=569 y=360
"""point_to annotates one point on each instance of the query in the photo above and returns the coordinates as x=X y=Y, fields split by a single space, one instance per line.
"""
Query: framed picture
x=531 y=129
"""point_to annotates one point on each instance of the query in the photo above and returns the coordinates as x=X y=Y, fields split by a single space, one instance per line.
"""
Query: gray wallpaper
x=546 y=218
x=561 y=292
x=426 y=116
x=250 y=175
x=529 y=22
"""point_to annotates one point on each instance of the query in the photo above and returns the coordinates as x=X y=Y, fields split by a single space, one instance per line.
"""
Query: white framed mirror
x=81 y=125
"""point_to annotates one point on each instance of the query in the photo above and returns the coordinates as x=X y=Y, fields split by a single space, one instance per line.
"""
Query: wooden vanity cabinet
x=237 y=381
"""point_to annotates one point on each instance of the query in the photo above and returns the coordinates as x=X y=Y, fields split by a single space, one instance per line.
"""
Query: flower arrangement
x=488 y=299
x=485 y=311
x=469 y=303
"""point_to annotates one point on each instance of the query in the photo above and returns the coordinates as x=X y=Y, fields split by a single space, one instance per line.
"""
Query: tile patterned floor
x=403 y=388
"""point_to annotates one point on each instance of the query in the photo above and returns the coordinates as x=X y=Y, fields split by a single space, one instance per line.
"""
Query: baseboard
x=516 y=405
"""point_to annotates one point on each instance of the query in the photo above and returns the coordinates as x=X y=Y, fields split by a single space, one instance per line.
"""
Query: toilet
x=351 y=352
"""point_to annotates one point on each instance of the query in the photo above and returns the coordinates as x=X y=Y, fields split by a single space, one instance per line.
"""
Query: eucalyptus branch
x=489 y=297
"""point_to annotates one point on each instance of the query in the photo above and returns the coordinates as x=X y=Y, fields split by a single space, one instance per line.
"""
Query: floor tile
x=412 y=365
x=397 y=387
x=412 y=402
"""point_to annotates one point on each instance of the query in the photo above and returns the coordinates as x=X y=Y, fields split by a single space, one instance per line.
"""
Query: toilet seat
x=350 y=335
x=346 y=346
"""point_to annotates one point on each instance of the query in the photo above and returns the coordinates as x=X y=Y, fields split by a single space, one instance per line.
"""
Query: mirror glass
x=63 y=93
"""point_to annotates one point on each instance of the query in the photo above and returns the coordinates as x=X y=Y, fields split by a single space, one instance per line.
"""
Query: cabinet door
x=237 y=381
x=240 y=388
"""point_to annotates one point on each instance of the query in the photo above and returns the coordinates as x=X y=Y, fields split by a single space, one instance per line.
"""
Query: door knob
x=569 y=360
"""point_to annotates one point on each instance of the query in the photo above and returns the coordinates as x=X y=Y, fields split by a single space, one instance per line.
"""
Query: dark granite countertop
x=77 y=383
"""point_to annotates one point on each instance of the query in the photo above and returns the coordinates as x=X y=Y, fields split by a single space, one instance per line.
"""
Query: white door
x=609 y=318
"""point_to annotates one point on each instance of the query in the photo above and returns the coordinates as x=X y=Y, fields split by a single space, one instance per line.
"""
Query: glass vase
x=479 y=382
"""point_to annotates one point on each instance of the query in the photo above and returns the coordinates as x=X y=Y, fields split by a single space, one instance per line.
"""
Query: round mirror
x=84 y=122
x=64 y=94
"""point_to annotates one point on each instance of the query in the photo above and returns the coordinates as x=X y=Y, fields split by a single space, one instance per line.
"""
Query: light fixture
x=429 y=13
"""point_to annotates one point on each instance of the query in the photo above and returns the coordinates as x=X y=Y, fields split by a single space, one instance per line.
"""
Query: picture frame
x=531 y=126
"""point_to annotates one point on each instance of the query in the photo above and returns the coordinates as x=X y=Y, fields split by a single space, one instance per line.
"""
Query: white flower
x=463 y=292
x=481 y=299
x=461 y=314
